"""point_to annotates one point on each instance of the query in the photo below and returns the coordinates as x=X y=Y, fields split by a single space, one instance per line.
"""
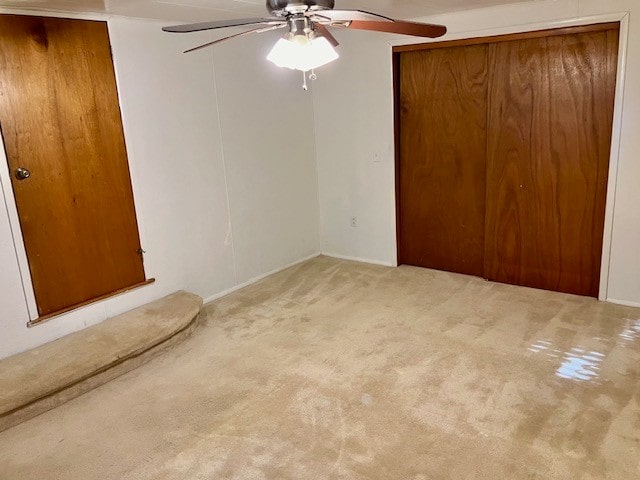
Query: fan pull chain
x=312 y=77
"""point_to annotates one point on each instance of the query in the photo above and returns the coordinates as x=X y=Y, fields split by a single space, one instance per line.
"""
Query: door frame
x=8 y=197
x=521 y=31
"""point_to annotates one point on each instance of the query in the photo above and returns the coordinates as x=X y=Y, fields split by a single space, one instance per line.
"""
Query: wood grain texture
x=442 y=158
x=550 y=123
x=594 y=27
x=61 y=120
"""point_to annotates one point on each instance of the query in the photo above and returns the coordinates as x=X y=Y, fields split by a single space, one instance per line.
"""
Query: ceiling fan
x=309 y=44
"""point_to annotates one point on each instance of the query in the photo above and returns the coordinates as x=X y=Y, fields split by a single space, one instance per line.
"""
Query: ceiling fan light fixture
x=302 y=52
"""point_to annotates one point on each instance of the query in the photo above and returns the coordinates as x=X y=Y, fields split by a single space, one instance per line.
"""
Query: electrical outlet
x=354 y=222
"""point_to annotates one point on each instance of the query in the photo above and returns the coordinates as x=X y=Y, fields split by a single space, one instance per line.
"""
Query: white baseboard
x=224 y=293
x=358 y=259
x=623 y=302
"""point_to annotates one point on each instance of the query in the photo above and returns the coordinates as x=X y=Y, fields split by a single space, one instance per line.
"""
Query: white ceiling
x=201 y=10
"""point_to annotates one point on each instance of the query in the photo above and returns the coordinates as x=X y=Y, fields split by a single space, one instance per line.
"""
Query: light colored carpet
x=338 y=370
x=45 y=377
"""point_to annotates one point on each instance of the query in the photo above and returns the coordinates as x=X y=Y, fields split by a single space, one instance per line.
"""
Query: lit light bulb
x=302 y=52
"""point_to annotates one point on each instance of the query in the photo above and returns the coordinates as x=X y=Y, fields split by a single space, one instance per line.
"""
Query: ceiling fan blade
x=241 y=34
x=197 y=27
x=324 y=32
x=347 y=15
x=404 y=28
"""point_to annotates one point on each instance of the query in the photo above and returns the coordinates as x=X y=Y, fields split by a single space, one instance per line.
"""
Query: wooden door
x=442 y=158
x=503 y=148
x=61 y=121
x=550 y=122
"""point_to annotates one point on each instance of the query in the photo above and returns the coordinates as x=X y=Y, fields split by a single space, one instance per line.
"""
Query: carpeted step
x=47 y=376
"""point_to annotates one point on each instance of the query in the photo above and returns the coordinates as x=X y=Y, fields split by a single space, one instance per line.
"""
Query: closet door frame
x=538 y=30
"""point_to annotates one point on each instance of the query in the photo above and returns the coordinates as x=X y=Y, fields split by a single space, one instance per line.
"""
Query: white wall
x=354 y=119
x=224 y=180
x=354 y=145
x=223 y=169
x=269 y=148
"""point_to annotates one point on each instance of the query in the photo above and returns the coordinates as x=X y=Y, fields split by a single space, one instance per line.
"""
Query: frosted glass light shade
x=302 y=53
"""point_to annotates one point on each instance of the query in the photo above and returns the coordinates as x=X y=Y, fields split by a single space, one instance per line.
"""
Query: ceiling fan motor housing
x=282 y=8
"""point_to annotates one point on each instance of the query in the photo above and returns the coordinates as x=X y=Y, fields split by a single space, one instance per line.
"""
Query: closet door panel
x=550 y=118
x=442 y=158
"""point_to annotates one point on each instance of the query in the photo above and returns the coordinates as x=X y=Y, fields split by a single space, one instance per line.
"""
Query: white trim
x=99 y=16
x=87 y=15
x=513 y=29
x=16 y=234
x=253 y=280
x=359 y=259
x=614 y=159
x=623 y=302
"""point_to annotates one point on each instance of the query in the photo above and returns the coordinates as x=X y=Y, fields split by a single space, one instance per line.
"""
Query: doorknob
x=22 y=173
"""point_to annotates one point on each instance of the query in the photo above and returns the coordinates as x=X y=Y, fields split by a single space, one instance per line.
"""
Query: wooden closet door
x=550 y=122
x=442 y=158
x=61 y=121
